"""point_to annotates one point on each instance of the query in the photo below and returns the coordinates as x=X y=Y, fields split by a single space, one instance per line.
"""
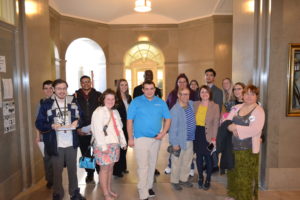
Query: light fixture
x=142 y=6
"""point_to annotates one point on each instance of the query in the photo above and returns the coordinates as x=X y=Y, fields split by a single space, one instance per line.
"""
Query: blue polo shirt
x=147 y=115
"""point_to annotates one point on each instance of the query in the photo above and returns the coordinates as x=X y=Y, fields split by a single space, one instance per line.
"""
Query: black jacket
x=224 y=146
x=123 y=114
x=88 y=105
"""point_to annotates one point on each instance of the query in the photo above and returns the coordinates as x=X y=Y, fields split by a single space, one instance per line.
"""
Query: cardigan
x=100 y=118
x=212 y=120
x=254 y=130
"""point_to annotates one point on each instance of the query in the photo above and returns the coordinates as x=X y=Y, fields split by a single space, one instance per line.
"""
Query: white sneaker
x=192 y=172
x=168 y=170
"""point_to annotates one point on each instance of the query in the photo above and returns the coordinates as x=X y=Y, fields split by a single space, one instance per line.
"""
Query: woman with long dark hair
x=122 y=102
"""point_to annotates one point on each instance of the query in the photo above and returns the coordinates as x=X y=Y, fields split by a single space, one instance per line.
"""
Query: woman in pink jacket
x=248 y=121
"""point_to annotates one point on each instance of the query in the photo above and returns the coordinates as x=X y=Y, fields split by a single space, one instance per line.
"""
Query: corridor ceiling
x=121 y=11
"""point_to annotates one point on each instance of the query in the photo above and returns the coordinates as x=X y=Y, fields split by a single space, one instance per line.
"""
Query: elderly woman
x=181 y=136
x=207 y=123
x=247 y=123
x=107 y=130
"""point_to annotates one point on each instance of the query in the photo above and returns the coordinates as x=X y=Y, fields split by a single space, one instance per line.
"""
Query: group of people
x=192 y=116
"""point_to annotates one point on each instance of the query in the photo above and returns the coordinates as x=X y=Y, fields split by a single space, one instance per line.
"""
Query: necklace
x=62 y=114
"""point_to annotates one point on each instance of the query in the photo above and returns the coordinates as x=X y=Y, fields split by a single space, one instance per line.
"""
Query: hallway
x=126 y=186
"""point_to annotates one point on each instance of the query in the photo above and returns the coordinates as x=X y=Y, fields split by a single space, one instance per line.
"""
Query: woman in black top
x=123 y=100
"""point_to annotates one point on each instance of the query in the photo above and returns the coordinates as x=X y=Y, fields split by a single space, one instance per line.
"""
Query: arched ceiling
x=121 y=11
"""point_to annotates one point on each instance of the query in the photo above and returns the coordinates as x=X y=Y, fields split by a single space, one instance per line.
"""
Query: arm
x=216 y=123
x=42 y=123
x=255 y=126
x=173 y=131
x=166 y=127
x=130 y=134
x=97 y=128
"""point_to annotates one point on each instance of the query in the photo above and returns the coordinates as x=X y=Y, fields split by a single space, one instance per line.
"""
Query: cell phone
x=210 y=147
x=104 y=130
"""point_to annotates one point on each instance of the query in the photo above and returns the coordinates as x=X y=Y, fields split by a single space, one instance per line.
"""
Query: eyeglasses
x=184 y=94
x=237 y=89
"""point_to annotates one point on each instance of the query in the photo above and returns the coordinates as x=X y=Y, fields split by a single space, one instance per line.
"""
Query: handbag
x=87 y=161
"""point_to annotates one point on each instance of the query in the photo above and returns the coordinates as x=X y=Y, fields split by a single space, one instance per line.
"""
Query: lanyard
x=61 y=113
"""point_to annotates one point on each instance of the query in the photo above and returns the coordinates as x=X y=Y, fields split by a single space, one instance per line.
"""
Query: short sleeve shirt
x=147 y=116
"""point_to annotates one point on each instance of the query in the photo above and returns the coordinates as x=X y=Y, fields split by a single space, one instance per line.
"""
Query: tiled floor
x=126 y=186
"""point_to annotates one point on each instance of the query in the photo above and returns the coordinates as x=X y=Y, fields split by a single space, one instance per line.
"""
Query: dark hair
x=211 y=70
x=194 y=82
x=206 y=88
x=182 y=75
x=104 y=94
x=84 y=76
x=118 y=93
x=148 y=83
x=252 y=89
x=47 y=82
x=59 y=81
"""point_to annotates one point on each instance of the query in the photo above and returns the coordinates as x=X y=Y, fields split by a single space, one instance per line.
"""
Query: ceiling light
x=142 y=6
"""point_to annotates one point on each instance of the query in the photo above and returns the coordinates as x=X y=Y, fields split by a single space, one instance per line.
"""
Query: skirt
x=109 y=157
x=242 y=180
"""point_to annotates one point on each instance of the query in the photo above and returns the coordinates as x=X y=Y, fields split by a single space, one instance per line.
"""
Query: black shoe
x=156 y=173
x=151 y=193
x=200 y=183
x=90 y=179
x=56 y=197
x=118 y=175
x=49 y=185
x=215 y=169
x=77 y=196
x=125 y=171
x=206 y=185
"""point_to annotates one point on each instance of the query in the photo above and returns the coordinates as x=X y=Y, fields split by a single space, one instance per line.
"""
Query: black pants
x=84 y=143
x=121 y=165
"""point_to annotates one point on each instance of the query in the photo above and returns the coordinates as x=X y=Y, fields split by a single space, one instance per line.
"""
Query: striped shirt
x=190 y=123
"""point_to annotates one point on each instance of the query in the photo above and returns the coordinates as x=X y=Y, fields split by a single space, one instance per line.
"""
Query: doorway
x=144 y=56
x=85 y=57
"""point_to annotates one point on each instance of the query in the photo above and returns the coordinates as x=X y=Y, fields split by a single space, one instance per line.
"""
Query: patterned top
x=190 y=123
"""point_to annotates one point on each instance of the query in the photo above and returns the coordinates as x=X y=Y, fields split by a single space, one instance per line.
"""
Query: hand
x=232 y=127
x=160 y=136
x=55 y=126
x=38 y=139
x=80 y=132
x=131 y=142
x=235 y=133
x=124 y=148
x=176 y=148
x=74 y=124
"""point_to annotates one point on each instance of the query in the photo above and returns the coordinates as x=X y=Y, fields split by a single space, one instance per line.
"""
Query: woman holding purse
x=107 y=130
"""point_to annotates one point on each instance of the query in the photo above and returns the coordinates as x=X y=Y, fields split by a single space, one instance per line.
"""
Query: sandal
x=114 y=195
x=108 y=197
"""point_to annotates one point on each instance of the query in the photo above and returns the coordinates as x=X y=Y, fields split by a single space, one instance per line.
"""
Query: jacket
x=212 y=120
x=87 y=105
x=123 y=114
x=45 y=119
x=217 y=96
x=178 y=128
x=224 y=146
x=255 y=127
x=100 y=118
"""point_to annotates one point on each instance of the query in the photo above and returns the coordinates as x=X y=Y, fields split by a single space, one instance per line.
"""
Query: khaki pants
x=146 y=152
x=181 y=165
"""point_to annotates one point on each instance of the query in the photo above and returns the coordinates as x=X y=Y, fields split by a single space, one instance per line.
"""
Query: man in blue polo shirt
x=145 y=116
